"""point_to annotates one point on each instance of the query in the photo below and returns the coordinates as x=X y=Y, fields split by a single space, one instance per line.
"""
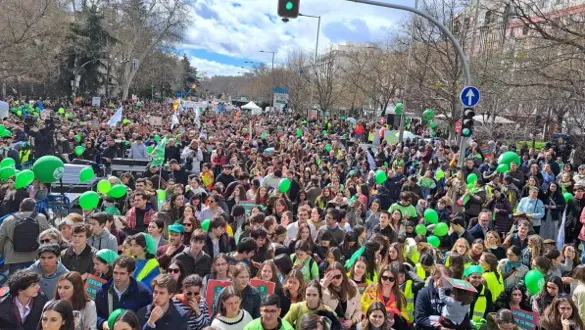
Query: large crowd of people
x=278 y=221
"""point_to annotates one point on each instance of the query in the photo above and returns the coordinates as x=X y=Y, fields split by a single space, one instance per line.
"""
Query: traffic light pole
x=449 y=35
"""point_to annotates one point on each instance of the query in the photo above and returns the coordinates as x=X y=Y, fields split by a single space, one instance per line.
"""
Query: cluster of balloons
x=399 y=109
x=441 y=228
x=506 y=159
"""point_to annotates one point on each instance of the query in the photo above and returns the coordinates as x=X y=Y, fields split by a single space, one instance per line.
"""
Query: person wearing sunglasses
x=342 y=295
x=177 y=272
x=192 y=300
x=387 y=291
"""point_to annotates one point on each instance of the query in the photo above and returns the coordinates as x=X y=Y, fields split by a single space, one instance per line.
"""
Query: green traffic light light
x=466 y=132
x=289 y=5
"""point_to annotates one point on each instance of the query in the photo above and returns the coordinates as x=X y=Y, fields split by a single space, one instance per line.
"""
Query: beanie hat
x=107 y=255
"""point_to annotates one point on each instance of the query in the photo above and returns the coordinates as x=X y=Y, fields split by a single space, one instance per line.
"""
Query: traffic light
x=288 y=8
x=467 y=122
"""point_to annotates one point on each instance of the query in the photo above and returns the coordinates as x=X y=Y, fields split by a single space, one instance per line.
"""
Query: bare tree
x=326 y=75
x=142 y=27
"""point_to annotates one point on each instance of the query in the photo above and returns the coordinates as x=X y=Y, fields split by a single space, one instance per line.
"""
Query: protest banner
x=460 y=284
x=214 y=287
x=526 y=320
x=92 y=285
x=96 y=101
x=155 y=120
x=264 y=287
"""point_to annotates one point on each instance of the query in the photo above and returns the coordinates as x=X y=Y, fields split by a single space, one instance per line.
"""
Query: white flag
x=561 y=235
x=197 y=114
x=174 y=120
x=116 y=118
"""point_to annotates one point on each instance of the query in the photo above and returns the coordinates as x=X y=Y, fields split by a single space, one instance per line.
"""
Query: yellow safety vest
x=480 y=306
x=24 y=155
x=496 y=286
x=150 y=265
x=420 y=271
x=415 y=256
x=409 y=295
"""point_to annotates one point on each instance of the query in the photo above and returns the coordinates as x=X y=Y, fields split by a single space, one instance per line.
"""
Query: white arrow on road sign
x=470 y=96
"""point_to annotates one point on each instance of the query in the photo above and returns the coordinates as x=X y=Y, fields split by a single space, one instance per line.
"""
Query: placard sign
x=96 y=101
x=155 y=121
x=526 y=320
x=264 y=287
x=214 y=287
x=362 y=287
x=460 y=284
x=92 y=285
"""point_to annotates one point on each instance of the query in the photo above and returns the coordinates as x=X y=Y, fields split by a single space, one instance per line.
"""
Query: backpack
x=26 y=233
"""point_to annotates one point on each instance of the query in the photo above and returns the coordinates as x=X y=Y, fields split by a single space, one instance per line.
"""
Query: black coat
x=201 y=266
x=8 y=320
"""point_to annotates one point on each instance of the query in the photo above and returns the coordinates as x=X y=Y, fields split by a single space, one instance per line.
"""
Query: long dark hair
x=64 y=308
x=347 y=289
x=377 y=306
x=80 y=297
x=129 y=317
x=551 y=318
x=181 y=269
x=503 y=301
x=398 y=295
x=370 y=255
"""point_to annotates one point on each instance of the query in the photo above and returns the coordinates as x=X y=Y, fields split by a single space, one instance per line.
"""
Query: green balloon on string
x=117 y=191
x=79 y=150
x=327 y=147
x=23 y=178
x=299 y=132
x=48 y=169
x=86 y=174
x=420 y=229
x=7 y=172
x=284 y=185
x=441 y=229
x=434 y=241
x=61 y=111
x=104 y=186
x=149 y=149
x=89 y=200
x=399 y=109
x=7 y=162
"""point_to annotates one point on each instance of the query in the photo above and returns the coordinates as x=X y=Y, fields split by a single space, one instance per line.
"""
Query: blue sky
x=227 y=33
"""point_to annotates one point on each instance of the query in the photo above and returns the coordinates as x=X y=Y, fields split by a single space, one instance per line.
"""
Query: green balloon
x=149 y=149
x=24 y=178
x=284 y=185
x=439 y=174
x=205 y=224
x=7 y=162
x=380 y=177
x=441 y=229
x=61 y=111
x=420 y=229
x=534 y=281
x=7 y=172
x=567 y=196
x=77 y=138
x=117 y=191
x=431 y=216
x=299 y=132
x=2 y=128
x=19 y=113
x=472 y=178
x=48 y=169
x=502 y=168
x=432 y=124
x=104 y=186
x=324 y=132
x=79 y=150
x=89 y=200
x=428 y=114
x=399 y=109
x=327 y=147
x=434 y=241
x=86 y=174
x=509 y=157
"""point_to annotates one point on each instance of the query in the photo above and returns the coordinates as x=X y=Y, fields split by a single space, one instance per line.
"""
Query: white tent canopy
x=251 y=106
x=4 y=109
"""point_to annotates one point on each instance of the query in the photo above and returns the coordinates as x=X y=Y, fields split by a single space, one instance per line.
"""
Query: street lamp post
x=316 y=46
x=271 y=74
x=452 y=39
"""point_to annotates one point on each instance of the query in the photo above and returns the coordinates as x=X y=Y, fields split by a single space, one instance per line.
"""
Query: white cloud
x=243 y=31
x=213 y=68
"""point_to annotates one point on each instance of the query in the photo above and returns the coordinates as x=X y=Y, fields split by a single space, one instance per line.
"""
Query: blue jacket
x=427 y=304
x=174 y=318
x=136 y=296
